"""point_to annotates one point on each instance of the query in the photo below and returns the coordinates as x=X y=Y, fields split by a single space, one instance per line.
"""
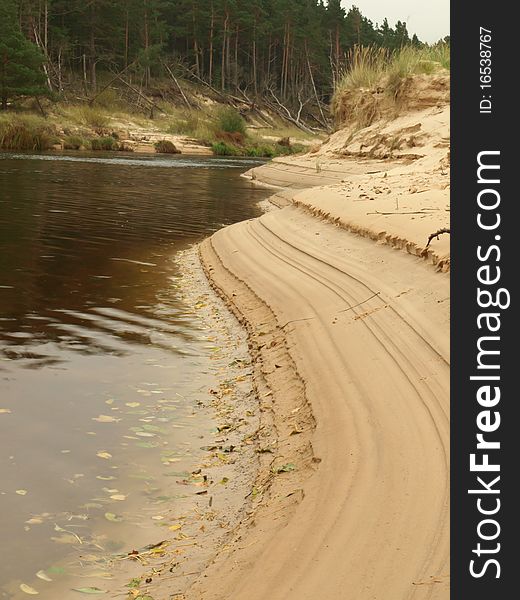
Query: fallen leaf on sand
x=43 y=576
x=175 y=527
x=27 y=589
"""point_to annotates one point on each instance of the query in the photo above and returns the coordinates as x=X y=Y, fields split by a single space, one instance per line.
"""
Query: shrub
x=261 y=151
x=166 y=147
x=230 y=121
x=106 y=144
x=282 y=149
x=223 y=149
x=26 y=133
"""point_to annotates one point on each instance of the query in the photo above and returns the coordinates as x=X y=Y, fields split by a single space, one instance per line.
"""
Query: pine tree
x=20 y=60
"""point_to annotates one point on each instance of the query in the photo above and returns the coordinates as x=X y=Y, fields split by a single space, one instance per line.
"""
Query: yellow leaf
x=103 y=454
x=21 y=492
x=43 y=576
x=28 y=589
x=133 y=404
x=175 y=527
x=5 y=411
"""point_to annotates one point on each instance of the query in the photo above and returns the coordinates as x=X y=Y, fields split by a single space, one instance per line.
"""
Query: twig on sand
x=413 y=212
x=437 y=234
x=356 y=305
x=296 y=321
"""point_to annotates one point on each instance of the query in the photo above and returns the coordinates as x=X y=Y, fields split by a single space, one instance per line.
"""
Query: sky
x=429 y=20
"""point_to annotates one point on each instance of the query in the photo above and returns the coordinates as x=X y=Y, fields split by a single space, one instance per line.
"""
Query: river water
x=102 y=362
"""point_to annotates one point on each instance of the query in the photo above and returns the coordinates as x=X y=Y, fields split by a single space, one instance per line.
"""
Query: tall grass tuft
x=26 y=133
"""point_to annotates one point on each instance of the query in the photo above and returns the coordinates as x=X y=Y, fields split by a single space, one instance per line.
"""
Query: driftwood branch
x=437 y=234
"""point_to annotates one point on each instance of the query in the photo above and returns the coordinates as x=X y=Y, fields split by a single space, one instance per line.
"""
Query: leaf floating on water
x=147 y=444
x=27 y=589
x=133 y=404
x=113 y=518
x=89 y=590
x=5 y=411
x=103 y=454
x=34 y=521
x=21 y=492
x=119 y=497
x=105 y=419
x=43 y=575
x=145 y=434
x=109 y=478
x=153 y=428
x=109 y=402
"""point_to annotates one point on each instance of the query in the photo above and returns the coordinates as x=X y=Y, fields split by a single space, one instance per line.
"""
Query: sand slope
x=365 y=515
x=389 y=182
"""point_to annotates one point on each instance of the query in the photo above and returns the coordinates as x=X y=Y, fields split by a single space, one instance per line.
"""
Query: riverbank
x=208 y=127
x=350 y=346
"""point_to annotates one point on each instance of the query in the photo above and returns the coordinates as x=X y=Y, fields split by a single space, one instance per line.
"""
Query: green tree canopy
x=20 y=60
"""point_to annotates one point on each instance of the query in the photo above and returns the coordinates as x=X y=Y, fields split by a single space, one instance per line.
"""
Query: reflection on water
x=100 y=361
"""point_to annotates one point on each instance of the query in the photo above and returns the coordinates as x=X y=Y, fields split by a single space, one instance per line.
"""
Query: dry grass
x=26 y=133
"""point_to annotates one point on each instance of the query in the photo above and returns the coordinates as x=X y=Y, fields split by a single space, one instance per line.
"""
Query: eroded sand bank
x=350 y=342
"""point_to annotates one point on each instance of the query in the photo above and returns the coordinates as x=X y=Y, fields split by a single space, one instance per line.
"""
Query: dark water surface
x=101 y=362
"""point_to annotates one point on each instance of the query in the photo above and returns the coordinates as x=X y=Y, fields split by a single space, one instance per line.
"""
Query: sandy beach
x=346 y=301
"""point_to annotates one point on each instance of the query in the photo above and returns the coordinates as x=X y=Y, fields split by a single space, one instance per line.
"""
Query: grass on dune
x=372 y=68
